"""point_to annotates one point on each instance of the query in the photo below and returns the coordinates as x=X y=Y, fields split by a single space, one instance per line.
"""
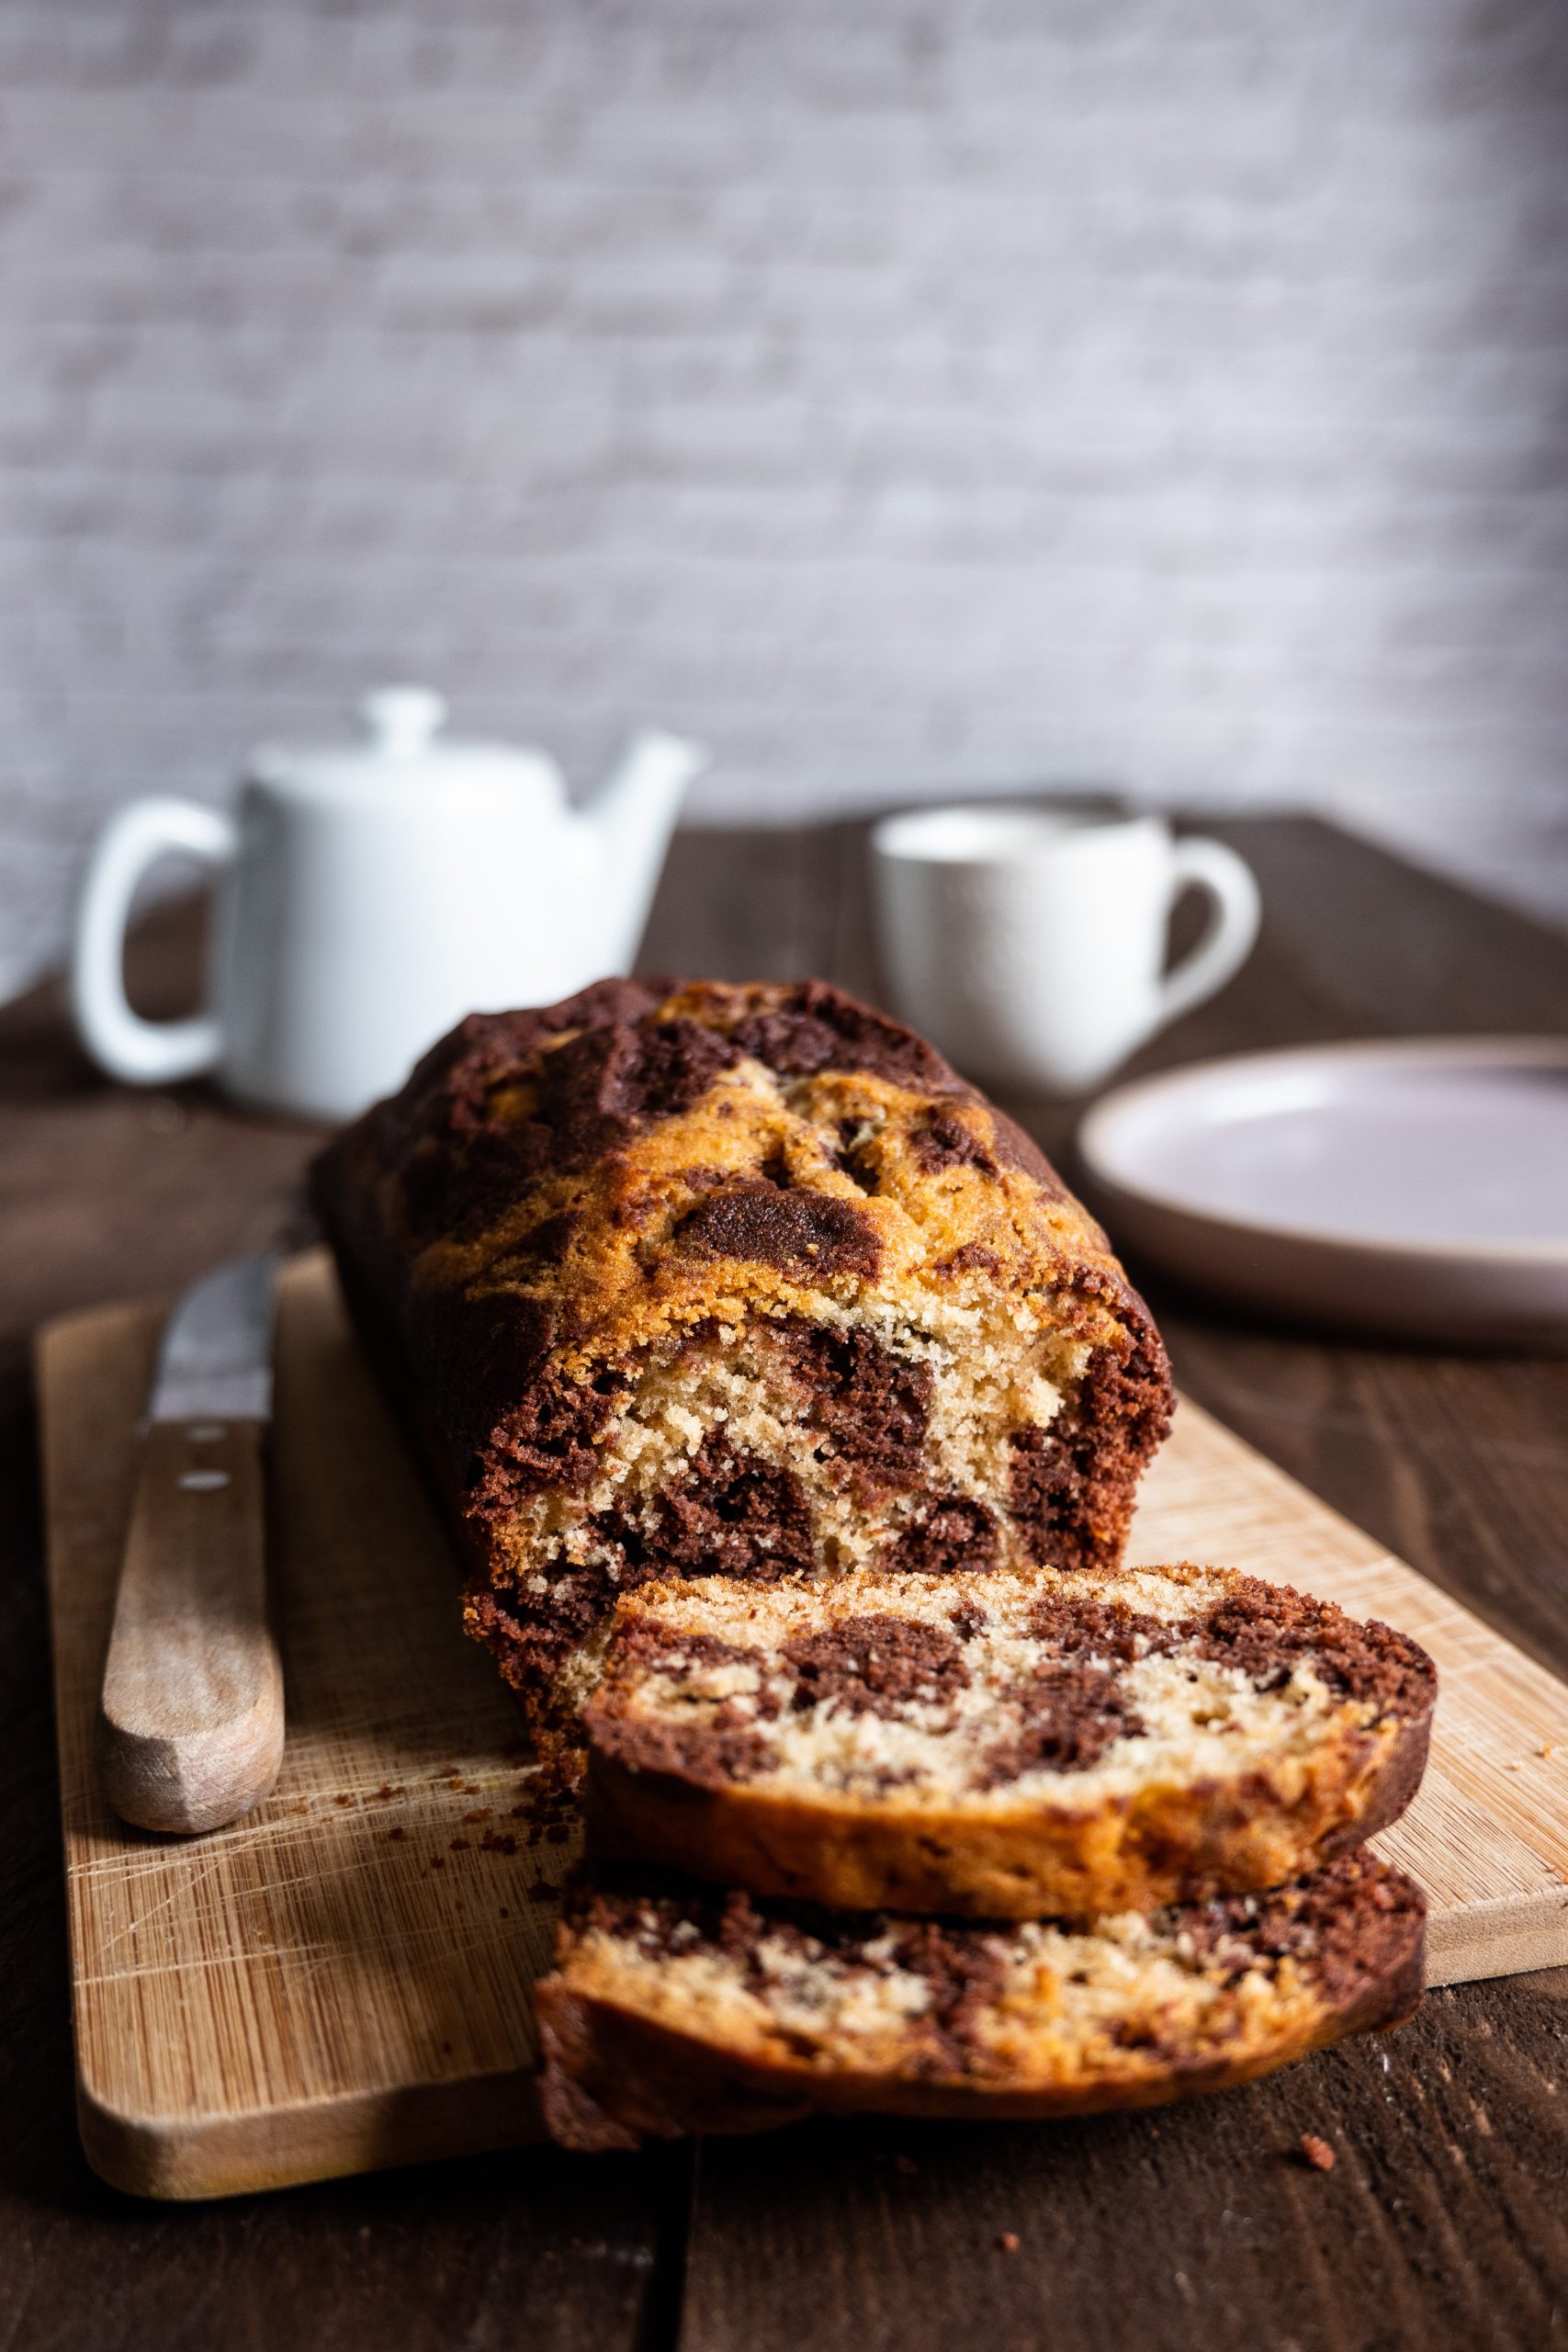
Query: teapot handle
x=141 y=1053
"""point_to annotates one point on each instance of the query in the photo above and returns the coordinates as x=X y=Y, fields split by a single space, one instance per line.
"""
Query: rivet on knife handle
x=191 y=1719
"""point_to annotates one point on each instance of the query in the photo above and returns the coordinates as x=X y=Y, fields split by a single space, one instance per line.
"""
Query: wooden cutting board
x=341 y=1981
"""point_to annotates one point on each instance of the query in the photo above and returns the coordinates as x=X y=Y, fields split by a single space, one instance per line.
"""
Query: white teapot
x=369 y=896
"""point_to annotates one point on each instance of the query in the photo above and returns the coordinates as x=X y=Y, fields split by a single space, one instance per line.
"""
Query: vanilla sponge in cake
x=683 y=1278
x=1006 y=1744
x=674 y=2010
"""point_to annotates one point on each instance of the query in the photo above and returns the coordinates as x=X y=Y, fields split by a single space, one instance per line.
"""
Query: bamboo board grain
x=341 y=1981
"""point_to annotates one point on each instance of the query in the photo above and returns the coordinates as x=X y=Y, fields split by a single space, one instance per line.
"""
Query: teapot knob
x=402 y=720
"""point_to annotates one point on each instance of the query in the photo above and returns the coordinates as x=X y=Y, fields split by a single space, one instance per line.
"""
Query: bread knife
x=190 y=1719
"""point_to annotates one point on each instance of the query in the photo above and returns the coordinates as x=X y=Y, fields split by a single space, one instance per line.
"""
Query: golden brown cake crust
x=671 y=2012
x=767 y=1185
x=992 y=1746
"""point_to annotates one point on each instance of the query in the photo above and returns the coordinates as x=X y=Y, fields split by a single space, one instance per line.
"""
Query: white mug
x=370 y=895
x=1029 y=944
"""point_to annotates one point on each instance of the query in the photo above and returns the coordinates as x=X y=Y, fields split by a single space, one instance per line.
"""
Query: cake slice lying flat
x=674 y=2012
x=677 y=1278
x=1001 y=1745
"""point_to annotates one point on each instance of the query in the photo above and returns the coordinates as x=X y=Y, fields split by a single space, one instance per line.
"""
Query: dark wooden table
x=1445 y=2220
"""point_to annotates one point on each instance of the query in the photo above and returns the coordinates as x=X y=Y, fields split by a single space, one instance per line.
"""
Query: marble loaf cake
x=678 y=1278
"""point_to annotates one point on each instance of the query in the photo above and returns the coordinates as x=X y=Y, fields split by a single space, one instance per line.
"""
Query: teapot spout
x=632 y=815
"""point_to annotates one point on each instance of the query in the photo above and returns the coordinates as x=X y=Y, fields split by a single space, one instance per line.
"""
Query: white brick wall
x=907 y=397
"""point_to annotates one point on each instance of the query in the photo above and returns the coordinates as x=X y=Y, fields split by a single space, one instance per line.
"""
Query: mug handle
x=1237 y=911
x=142 y=1052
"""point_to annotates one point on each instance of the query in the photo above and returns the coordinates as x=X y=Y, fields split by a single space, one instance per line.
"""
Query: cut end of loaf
x=811 y=1447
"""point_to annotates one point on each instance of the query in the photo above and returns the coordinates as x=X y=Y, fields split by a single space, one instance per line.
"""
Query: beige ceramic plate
x=1416 y=1187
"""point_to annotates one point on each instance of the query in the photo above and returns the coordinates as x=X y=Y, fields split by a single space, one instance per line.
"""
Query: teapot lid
x=401 y=749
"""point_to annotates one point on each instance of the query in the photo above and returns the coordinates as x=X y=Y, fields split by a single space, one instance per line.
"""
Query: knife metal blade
x=215 y=1362
x=190 y=1723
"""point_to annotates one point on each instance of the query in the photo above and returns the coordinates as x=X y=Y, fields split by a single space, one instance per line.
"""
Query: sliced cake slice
x=1001 y=1745
x=672 y=2010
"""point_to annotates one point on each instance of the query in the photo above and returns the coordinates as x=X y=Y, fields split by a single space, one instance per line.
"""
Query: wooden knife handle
x=191 y=1724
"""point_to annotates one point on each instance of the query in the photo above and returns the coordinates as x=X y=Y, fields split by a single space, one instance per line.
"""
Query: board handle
x=190 y=1719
